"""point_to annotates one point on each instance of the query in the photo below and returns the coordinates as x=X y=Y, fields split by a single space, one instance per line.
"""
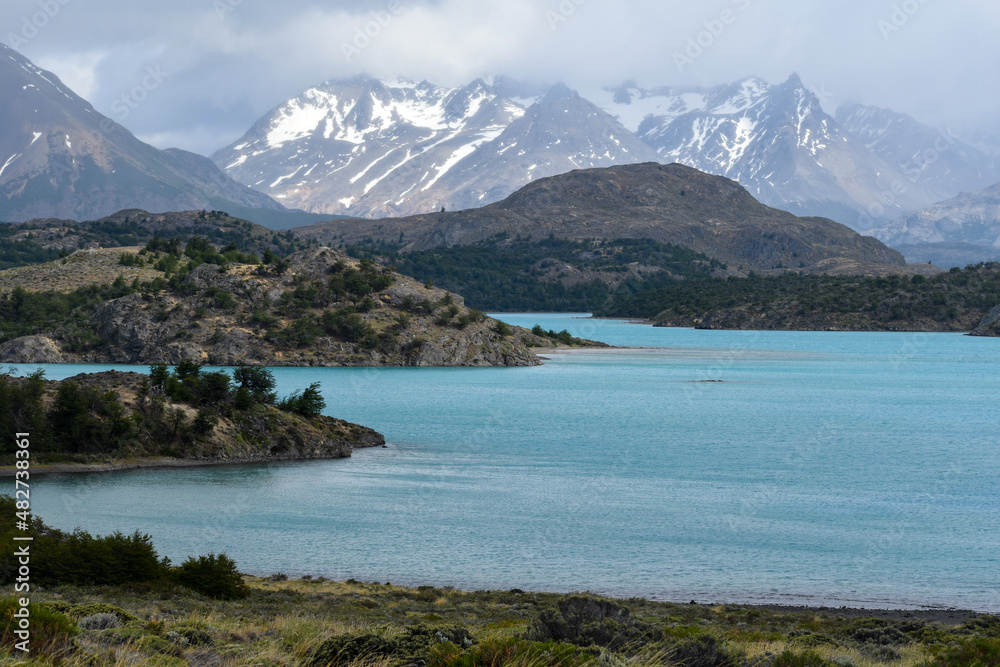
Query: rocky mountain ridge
x=666 y=203
x=962 y=230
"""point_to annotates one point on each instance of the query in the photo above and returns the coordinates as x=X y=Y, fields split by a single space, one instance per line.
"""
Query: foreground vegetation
x=314 y=622
x=952 y=301
x=549 y=275
x=114 y=601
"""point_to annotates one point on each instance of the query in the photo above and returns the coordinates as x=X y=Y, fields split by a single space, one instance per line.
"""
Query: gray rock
x=128 y=326
x=31 y=350
x=990 y=325
x=233 y=349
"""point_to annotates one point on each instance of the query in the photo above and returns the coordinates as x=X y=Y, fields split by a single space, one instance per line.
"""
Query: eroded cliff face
x=302 y=315
x=990 y=325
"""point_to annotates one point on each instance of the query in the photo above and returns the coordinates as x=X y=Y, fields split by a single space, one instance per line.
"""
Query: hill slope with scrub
x=172 y=303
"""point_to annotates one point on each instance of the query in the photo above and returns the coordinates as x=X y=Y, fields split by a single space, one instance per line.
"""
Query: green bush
x=704 y=651
x=586 y=621
x=213 y=576
x=807 y=659
x=51 y=631
x=973 y=653
x=308 y=403
x=509 y=651
x=411 y=647
x=78 y=558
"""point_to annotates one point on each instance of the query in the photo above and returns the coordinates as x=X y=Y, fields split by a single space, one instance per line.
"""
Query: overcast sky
x=213 y=67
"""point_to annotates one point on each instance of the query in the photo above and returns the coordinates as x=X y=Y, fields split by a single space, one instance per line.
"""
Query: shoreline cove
x=764 y=468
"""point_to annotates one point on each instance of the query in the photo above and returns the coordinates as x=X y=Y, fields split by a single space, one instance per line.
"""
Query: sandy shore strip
x=125 y=465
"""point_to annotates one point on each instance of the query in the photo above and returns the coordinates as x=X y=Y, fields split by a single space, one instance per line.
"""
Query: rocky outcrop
x=289 y=317
x=990 y=325
x=31 y=350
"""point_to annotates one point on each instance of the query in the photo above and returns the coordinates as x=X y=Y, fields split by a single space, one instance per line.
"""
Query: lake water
x=820 y=468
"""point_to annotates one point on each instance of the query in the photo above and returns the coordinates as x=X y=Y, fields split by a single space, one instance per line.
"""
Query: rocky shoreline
x=125 y=465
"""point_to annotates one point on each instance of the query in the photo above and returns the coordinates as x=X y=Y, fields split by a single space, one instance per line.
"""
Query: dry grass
x=283 y=622
x=83 y=268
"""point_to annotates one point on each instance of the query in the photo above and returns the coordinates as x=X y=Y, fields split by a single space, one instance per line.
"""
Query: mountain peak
x=558 y=92
x=419 y=150
x=59 y=157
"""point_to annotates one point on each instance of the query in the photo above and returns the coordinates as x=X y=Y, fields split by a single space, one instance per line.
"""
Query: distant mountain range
x=61 y=158
x=863 y=166
x=371 y=148
x=962 y=230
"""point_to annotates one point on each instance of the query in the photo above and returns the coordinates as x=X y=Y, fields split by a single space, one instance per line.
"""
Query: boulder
x=990 y=325
x=31 y=350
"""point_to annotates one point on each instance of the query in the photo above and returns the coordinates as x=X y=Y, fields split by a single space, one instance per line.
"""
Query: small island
x=169 y=418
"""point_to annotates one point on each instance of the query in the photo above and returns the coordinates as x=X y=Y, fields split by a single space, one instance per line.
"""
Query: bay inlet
x=857 y=469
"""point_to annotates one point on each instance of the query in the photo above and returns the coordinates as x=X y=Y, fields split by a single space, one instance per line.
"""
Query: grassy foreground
x=319 y=622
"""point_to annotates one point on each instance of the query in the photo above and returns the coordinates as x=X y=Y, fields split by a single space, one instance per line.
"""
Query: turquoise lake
x=798 y=468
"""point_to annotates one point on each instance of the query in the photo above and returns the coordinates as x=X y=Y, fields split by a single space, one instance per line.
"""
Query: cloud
x=229 y=61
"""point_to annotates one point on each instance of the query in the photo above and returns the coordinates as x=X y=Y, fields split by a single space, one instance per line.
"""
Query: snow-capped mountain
x=370 y=148
x=557 y=134
x=61 y=158
x=777 y=141
x=939 y=161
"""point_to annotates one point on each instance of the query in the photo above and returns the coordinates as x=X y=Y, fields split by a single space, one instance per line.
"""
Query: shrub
x=99 y=622
x=411 y=647
x=308 y=403
x=588 y=621
x=79 y=558
x=83 y=610
x=973 y=653
x=876 y=632
x=807 y=659
x=51 y=631
x=213 y=576
x=705 y=651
